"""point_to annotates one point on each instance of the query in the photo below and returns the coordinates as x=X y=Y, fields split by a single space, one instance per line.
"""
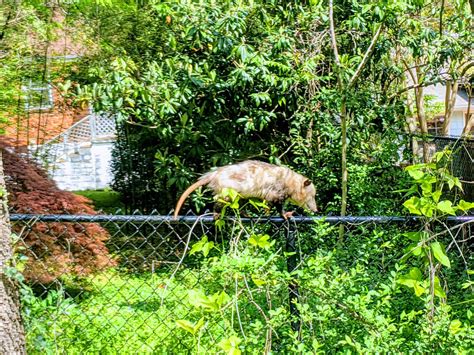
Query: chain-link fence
x=150 y=284
x=462 y=165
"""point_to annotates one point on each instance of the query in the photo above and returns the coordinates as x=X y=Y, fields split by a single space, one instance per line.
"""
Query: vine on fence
x=433 y=197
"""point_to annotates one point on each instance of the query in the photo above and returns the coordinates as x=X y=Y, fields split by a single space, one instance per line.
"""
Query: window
x=435 y=125
x=38 y=96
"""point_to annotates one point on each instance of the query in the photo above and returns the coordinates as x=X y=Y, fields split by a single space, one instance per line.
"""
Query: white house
x=459 y=116
x=79 y=158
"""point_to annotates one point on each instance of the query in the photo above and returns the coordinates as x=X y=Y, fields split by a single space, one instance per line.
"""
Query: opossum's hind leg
x=218 y=206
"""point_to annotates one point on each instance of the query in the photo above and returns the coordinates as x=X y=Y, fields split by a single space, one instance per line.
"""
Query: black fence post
x=291 y=264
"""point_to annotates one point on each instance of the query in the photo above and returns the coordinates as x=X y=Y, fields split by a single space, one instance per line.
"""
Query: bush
x=57 y=248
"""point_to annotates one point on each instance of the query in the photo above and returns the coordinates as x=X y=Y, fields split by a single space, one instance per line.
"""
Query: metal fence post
x=291 y=264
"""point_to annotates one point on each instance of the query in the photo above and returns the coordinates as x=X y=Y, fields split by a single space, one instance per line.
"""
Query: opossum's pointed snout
x=311 y=205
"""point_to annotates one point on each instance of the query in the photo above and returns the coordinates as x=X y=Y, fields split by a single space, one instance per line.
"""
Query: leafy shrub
x=57 y=248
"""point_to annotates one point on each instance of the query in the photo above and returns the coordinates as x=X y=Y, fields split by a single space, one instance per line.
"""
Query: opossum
x=250 y=178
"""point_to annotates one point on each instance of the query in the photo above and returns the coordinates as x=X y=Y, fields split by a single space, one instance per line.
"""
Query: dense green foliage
x=206 y=84
x=199 y=84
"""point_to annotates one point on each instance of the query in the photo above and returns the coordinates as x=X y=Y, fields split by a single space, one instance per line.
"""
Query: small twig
x=256 y=304
x=237 y=309
x=270 y=330
x=186 y=247
x=286 y=151
x=455 y=243
x=140 y=125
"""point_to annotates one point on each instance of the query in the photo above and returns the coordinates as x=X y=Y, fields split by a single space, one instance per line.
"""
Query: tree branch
x=415 y=86
x=333 y=34
x=366 y=56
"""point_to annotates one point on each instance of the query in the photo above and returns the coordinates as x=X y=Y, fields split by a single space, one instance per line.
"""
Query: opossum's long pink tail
x=204 y=180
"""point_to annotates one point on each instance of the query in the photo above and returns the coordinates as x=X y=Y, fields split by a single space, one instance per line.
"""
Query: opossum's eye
x=307 y=182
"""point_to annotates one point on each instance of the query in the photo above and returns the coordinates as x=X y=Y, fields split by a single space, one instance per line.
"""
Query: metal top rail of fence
x=206 y=219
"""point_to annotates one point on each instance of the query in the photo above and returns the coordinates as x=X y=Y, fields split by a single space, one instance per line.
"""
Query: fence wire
x=149 y=283
x=462 y=165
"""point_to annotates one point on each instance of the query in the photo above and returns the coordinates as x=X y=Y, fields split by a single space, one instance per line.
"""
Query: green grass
x=106 y=200
x=115 y=313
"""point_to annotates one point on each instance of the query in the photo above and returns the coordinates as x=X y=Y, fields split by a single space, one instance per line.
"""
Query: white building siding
x=80 y=166
x=457 y=123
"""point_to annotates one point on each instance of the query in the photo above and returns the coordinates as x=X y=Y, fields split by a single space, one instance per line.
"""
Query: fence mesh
x=462 y=165
x=191 y=285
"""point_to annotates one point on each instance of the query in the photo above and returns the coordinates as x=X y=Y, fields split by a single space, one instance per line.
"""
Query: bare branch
x=415 y=86
x=366 y=57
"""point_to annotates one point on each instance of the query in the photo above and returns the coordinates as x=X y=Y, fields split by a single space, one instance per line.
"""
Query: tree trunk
x=469 y=116
x=420 y=112
x=411 y=126
x=343 y=164
x=12 y=337
x=450 y=101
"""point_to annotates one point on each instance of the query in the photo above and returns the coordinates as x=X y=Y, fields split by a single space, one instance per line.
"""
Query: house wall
x=80 y=166
x=457 y=123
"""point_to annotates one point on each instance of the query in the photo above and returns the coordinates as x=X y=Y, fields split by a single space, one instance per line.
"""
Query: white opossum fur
x=251 y=178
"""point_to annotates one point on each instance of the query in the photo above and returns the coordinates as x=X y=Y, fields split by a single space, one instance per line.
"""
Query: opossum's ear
x=307 y=182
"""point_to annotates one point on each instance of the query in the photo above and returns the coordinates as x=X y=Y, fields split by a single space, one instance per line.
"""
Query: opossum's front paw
x=287 y=215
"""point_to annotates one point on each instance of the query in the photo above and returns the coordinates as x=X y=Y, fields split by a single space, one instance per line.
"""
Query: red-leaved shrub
x=52 y=248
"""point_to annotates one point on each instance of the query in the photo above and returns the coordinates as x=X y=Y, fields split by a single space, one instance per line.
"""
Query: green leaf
x=446 y=206
x=451 y=183
x=261 y=241
x=220 y=298
x=415 y=274
x=184 y=119
x=426 y=206
x=455 y=326
x=232 y=195
x=207 y=248
x=235 y=204
x=202 y=246
x=439 y=254
x=198 y=246
x=220 y=223
x=186 y=325
x=258 y=282
x=438 y=290
x=413 y=280
x=412 y=205
x=457 y=183
x=211 y=303
x=415 y=236
x=231 y=345
x=426 y=188
x=436 y=196
x=190 y=327
x=414 y=249
x=465 y=206
x=258 y=203
x=416 y=174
